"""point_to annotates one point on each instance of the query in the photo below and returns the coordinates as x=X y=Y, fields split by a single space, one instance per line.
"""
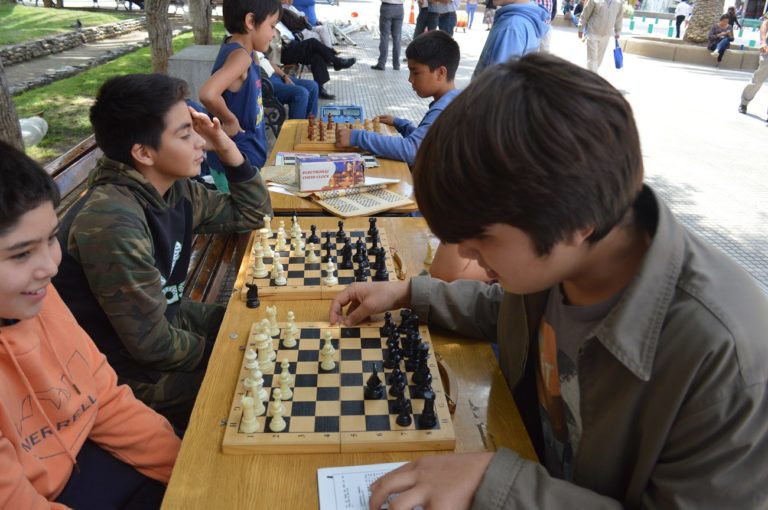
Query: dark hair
x=724 y=16
x=23 y=186
x=131 y=109
x=235 y=11
x=435 y=49
x=537 y=143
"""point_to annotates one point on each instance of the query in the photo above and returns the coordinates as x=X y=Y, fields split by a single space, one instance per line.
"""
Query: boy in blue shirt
x=433 y=59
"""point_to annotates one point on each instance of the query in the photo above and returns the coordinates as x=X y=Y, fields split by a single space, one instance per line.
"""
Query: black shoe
x=396 y=68
x=325 y=95
x=378 y=67
x=742 y=108
x=343 y=63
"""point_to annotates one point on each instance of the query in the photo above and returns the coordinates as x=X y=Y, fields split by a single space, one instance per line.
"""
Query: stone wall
x=18 y=53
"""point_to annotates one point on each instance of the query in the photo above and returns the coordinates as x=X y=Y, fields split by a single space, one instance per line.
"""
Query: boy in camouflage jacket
x=127 y=242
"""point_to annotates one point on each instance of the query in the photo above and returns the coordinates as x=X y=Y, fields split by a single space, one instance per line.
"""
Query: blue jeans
x=471 y=8
x=721 y=47
x=301 y=97
x=445 y=22
x=421 y=21
x=390 y=22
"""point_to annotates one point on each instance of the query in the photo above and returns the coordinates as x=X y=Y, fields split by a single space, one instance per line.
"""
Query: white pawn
x=327 y=340
x=296 y=224
x=280 y=246
x=268 y=225
x=259 y=270
x=265 y=348
x=277 y=402
x=257 y=387
x=312 y=257
x=330 y=278
x=326 y=358
x=286 y=367
x=290 y=332
x=281 y=227
x=249 y=424
x=280 y=279
x=285 y=382
x=274 y=329
x=430 y=254
x=251 y=360
x=265 y=235
x=277 y=423
x=273 y=273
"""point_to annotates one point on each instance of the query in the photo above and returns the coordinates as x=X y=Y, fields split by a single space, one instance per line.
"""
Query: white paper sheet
x=346 y=488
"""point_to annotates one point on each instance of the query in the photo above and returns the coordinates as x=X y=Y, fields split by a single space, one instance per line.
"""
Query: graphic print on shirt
x=173 y=293
x=558 y=392
x=259 y=103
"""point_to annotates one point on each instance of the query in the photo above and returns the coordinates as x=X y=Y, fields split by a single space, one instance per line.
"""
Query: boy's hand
x=286 y=79
x=343 y=136
x=447 y=482
x=215 y=138
x=387 y=119
x=366 y=299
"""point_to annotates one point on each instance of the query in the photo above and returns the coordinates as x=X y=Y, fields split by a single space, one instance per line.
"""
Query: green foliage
x=65 y=103
x=19 y=23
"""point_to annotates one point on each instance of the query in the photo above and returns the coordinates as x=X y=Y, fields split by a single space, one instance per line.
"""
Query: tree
x=10 y=131
x=160 y=36
x=705 y=14
x=200 y=12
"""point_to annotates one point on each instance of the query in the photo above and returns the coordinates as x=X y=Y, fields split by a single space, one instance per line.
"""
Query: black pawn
x=397 y=388
x=340 y=234
x=327 y=245
x=388 y=326
x=404 y=314
x=359 y=247
x=396 y=376
x=360 y=275
x=375 y=249
x=428 y=418
x=372 y=230
x=313 y=237
x=400 y=402
x=382 y=273
x=404 y=418
x=393 y=358
x=374 y=389
x=327 y=255
x=252 y=296
x=346 y=255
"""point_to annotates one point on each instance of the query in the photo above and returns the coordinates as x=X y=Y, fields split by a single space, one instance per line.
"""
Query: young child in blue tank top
x=233 y=92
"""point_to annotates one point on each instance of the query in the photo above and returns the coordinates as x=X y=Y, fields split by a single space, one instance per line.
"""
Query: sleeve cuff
x=498 y=480
x=240 y=173
x=420 y=291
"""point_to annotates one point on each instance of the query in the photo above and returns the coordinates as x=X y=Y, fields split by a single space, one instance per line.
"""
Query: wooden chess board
x=305 y=279
x=303 y=143
x=328 y=411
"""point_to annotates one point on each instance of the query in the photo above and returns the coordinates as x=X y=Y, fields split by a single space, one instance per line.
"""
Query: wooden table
x=283 y=202
x=206 y=478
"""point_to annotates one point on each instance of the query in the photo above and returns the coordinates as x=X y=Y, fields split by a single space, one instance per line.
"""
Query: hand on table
x=343 y=137
x=366 y=299
x=387 y=119
x=445 y=482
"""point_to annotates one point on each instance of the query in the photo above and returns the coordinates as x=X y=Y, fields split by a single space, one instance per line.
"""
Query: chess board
x=305 y=279
x=328 y=411
x=303 y=143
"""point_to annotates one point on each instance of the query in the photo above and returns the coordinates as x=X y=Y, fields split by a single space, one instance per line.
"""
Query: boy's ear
x=249 y=24
x=442 y=73
x=580 y=236
x=142 y=154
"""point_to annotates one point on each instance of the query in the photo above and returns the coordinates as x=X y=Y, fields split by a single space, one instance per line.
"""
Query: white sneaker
x=715 y=54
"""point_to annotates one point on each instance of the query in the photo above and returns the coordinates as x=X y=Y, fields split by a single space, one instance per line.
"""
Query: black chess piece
x=360 y=275
x=404 y=314
x=374 y=388
x=404 y=418
x=359 y=247
x=388 y=326
x=372 y=230
x=399 y=403
x=346 y=255
x=375 y=249
x=327 y=245
x=327 y=255
x=252 y=296
x=396 y=376
x=397 y=388
x=340 y=234
x=313 y=237
x=422 y=389
x=393 y=357
x=420 y=363
x=428 y=418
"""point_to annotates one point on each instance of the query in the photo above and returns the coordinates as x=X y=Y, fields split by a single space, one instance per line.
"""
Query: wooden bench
x=215 y=258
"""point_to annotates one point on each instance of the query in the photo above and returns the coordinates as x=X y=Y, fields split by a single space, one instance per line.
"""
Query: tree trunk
x=48 y=3
x=159 y=29
x=200 y=13
x=10 y=131
x=705 y=14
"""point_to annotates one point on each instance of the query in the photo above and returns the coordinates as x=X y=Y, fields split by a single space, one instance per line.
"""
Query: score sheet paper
x=346 y=488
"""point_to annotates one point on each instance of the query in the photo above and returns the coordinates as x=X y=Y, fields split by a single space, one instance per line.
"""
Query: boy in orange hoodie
x=69 y=435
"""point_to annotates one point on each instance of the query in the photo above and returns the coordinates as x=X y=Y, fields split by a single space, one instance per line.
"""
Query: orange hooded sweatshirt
x=56 y=391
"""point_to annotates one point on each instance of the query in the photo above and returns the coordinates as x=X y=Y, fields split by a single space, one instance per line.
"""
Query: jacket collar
x=631 y=330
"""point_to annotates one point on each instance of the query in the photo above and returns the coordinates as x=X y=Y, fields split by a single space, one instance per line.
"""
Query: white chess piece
x=265 y=348
x=280 y=279
x=312 y=257
x=274 y=329
x=330 y=278
x=430 y=254
x=268 y=225
x=277 y=423
x=265 y=235
x=273 y=273
x=326 y=358
x=327 y=340
x=251 y=360
x=259 y=270
x=285 y=383
x=280 y=246
x=285 y=366
x=290 y=331
x=277 y=402
x=257 y=388
x=249 y=424
x=296 y=224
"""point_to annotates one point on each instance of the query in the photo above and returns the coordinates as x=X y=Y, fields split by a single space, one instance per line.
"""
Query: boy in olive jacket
x=127 y=242
x=636 y=351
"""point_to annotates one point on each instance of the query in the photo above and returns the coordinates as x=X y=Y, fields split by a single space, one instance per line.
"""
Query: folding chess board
x=305 y=279
x=328 y=411
x=303 y=142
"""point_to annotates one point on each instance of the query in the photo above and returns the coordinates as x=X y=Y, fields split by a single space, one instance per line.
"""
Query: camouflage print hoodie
x=126 y=252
